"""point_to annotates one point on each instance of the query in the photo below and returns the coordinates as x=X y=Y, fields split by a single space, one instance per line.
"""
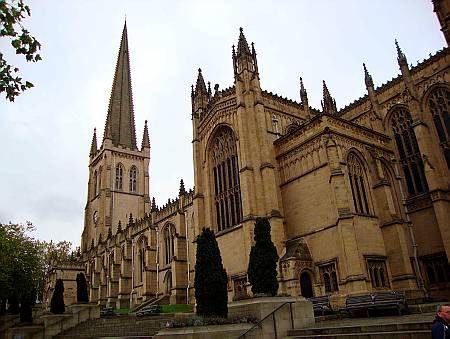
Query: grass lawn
x=121 y=310
x=176 y=308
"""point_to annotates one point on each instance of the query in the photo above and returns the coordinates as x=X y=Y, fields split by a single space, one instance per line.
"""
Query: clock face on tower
x=95 y=218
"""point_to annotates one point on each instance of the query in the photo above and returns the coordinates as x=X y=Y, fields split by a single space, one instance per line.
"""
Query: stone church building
x=358 y=198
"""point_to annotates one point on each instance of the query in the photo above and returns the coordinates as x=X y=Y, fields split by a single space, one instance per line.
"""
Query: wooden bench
x=106 y=311
x=149 y=310
x=374 y=301
x=321 y=303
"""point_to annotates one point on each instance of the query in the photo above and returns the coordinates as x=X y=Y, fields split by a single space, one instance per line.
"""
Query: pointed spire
x=304 y=98
x=109 y=233
x=94 y=143
x=182 y=190
x=367 y=78
x=153 y=209
x=119 y=227
x=242 y=48
x=119 y=126
x=303 y=94
x=401 y=58
x=200 y=87
x=145 y=137
x=130 y=220
x=328 y=103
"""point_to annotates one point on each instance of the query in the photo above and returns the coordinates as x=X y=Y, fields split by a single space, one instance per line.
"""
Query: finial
x=241 y=29
x=199 y=70
x=192 y=90
x=400 y=55
x=367 y=77
x=182 y=189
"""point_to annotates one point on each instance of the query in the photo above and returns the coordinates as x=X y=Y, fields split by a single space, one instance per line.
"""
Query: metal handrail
x=258 y=324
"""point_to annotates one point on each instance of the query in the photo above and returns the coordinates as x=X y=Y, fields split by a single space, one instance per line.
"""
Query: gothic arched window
x=439 y=103
x=142 y=244
x=168 y=235
x=133 y=172
x=119 y=177
x=408 y=151
x=225 y=175
x=358 y=184
x=94 y=185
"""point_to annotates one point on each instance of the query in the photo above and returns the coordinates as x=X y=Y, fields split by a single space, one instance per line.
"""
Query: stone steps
x=118 y=326
x=414 y=327
x=422 y=334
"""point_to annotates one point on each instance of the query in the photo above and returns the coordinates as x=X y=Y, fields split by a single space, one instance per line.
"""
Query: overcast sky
x=46 y=133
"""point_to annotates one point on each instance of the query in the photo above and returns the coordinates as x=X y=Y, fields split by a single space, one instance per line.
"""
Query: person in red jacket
x=441 y=327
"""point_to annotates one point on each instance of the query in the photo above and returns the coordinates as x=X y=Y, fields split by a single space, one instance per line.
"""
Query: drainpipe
x=410 y=228
x=157 y=261
x=188 y=262
x=132 y=273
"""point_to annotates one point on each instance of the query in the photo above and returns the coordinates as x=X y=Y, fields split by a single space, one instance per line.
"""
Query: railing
x=272 y=314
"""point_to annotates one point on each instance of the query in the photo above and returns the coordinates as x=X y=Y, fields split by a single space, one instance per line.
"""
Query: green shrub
x=82 y=292
x=57 y=302
x=262 y=266
x=210 y=277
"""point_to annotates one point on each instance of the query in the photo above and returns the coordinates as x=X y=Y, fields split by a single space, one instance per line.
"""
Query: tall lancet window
x=408 y=151
x=94 y=185
x=225 y=177
x=358 y=184
x=439 y=103
x=119 y=177
x=169 y=235
x=133 y=172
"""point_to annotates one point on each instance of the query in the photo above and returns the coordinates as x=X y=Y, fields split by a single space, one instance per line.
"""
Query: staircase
x=415 y=326
x=118 y=326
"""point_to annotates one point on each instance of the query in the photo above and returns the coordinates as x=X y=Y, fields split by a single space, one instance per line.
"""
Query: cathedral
x=358 y=198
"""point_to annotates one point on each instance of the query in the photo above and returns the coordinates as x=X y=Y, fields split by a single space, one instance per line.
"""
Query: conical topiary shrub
x=57 y=302
x=262 y=266
x=26 y=303
x=82 y=292
x=210 y=277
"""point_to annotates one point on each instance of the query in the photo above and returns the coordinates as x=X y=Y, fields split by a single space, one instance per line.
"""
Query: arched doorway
x=306 y=289
x=168 y=283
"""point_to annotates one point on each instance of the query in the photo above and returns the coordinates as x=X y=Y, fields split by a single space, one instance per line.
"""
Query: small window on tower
x=119 y=177
x=133 y=181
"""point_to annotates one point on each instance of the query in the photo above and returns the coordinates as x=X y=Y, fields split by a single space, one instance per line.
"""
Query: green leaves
x=11 y=15
x=262 y=266
x=25 y=261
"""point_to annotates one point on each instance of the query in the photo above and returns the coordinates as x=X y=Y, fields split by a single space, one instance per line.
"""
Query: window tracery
x=119 y=177
x=358 y=185
x=225 y=175
x=169 y=235
x=408 y=151
x=439 y=103
x=133 y=179
x=378 y=273
x=329 y=277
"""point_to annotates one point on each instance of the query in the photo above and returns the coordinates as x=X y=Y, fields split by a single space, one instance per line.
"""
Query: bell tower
x=118 y=171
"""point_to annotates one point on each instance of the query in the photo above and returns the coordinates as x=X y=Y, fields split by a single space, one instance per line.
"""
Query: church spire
x=94 y=143
x=242 y=48
x=119 y=126
x=328 y=103
x=401 y=57
x=145 y=137
x=243 y=58
x=200 y=86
